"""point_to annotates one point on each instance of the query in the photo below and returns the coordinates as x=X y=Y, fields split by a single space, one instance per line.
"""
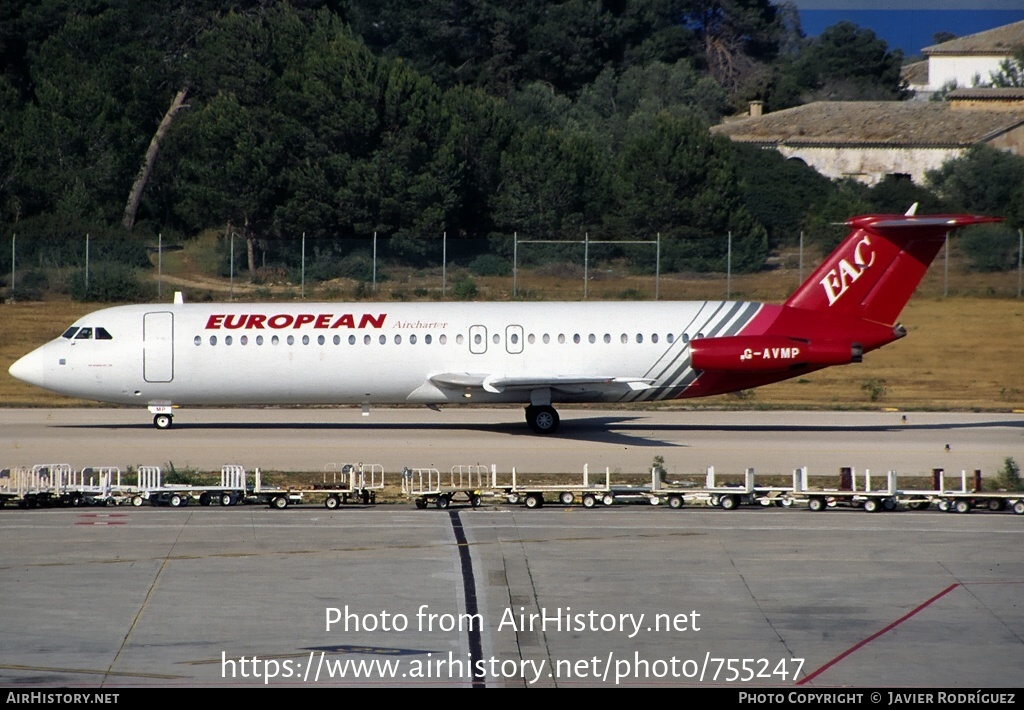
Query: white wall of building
x=870 y=165
x=967 y=71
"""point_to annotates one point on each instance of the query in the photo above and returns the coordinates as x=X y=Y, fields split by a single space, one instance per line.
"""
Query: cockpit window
x=102 y=334
x=70 y=333
x=84 y=334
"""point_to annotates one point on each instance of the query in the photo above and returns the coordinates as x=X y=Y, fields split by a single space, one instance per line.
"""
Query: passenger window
x=198 y=340
x=427 y=338
x=227 y=340
x=654 y=337
x=383 y=339
x=442 y=339
x=398 y=340
x=412 y=339
x=625 y=338
x=244 y=340
x=213 y=340
x=259 y=340
x=291 y=340
x=592 y=338
x=366 y=340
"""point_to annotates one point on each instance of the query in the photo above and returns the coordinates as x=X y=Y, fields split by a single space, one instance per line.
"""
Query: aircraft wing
x=566 y=383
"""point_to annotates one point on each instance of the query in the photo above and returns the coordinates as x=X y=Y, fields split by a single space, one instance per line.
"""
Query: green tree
x=674 y=178
x=985 y=180
x=846 y=62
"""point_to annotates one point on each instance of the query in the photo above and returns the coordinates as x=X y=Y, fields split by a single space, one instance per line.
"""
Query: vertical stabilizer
x=873 y=273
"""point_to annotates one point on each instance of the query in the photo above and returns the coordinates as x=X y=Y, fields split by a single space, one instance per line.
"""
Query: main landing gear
x=542 y=419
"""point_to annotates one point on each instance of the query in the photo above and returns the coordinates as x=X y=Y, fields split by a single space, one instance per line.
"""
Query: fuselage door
x=477 y=339
x=514 y=339
x=158 y=347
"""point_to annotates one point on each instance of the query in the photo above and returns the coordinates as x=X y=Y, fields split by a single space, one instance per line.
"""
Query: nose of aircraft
x=28 y=369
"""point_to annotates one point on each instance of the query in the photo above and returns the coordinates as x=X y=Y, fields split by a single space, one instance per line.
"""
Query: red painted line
x=101 y=522
x=875 y=635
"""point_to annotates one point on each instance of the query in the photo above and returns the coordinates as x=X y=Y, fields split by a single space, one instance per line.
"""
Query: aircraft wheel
x=534 y=500
x=566 y=498
x=675 y=501
x=589 y=501
x=816 y=504
x=543 y=420
x=331 y=502
x=962 y=506
x=163 y=421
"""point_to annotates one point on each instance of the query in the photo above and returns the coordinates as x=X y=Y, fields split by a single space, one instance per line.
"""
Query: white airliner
x=168 y=356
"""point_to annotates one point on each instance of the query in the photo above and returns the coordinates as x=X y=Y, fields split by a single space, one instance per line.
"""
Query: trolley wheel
x=566 y=498
x=512 y=498
x=331 y=502
x=227 y=499
x=175 y=501
x=962 y=506
x=589 y=501
x=675 y=501
x=729 y=502
x=1018 y=507
x=534 y=500
x=420 y=503
x=136 y=501
x=816 y=504
x=204 y=498
x=442 y=502
x=871 y=505
x=889 y=504
x=279 y=502
x=944 y=505
x=475 y=500
x=997 y=504
x=608 y=499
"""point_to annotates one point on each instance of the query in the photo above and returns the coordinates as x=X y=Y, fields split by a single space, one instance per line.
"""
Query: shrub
x=109 y=282
x=465 y=289
x=490 y=265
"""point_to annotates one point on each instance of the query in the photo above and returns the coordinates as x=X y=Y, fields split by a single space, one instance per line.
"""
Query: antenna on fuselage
x=178 y=297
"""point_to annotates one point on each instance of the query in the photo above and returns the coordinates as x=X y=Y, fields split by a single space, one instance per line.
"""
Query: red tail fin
x=873 y=273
